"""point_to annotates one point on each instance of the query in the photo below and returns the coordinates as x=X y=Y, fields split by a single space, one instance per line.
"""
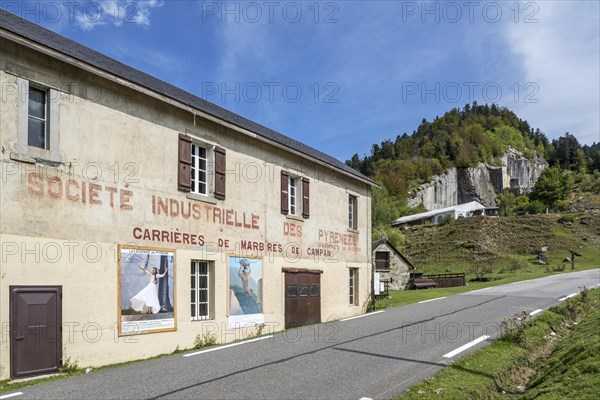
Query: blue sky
x=342 y=75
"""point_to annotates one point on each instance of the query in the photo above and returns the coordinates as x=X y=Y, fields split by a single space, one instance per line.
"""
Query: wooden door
x=36 y=325
x=302 y=299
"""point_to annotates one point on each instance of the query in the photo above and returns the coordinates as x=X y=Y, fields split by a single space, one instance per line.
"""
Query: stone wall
x=399 y=270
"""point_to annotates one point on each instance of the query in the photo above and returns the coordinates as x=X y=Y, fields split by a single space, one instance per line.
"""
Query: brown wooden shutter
x=305 y=198
x=220 y=167
x=184 y=174
x=285 y=205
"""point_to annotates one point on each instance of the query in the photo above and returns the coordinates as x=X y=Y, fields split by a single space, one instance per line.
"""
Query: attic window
x=38 y=122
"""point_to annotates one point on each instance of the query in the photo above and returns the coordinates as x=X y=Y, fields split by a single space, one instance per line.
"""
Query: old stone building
x=137 y=216
x=391 y=265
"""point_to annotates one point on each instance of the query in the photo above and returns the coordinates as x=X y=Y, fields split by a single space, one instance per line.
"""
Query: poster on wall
x=146 y=290
x=245 y=291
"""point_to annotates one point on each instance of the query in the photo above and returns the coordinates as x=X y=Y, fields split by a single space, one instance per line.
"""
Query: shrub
x=69 y=366
x=536 y=207
x=205 y=340
x=479 y=271
x=513 y=329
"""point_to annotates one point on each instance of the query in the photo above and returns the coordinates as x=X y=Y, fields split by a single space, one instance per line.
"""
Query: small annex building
x=435 y=217
x=391 y=264
x=137 y=217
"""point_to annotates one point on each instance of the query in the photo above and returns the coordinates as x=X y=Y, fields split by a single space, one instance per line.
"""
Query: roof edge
x=52 y=51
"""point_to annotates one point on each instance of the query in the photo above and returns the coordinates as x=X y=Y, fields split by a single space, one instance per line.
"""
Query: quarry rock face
x=481 y=183
x=523 y=173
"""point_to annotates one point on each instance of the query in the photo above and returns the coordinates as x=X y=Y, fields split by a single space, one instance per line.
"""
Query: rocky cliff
x=481 y=183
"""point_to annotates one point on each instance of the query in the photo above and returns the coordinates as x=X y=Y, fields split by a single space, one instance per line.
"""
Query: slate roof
x=54 y=41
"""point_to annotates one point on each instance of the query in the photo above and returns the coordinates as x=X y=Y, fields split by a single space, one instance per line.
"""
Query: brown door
x=35 y=335
x=302 y=299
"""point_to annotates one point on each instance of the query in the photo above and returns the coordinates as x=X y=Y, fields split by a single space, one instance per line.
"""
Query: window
x=382 y=260
x=199 y=176
x=37 y=118
x=352 y=209
x=353 y=286
x=314 y=290
x=303 y=292
x=295 y=195
x=200 y=290
x=194 y=175
x=294 y=192
x=291 y=290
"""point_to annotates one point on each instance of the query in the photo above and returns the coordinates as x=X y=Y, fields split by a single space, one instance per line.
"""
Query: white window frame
x=197 y=169
x=353 y=286
x=23 y=151
x=295 y=195
x=209 y=169
x=196 y=289
x=44 y=119
x=352 y=211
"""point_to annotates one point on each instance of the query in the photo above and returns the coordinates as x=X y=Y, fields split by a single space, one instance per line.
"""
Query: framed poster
x=245 y=291
x=146 y=290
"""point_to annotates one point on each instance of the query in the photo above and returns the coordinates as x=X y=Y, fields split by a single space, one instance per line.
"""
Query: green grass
x=573 y=369
x=402 y=297
x=567 y=367
x=461 y=244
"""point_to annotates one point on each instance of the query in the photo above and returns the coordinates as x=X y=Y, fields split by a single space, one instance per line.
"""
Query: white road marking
x=516 y=283
x=568 y=297
x=227 y=346
x=466 y=346
x=360 y=316
x=6 y=396
x=427 y=301
x=365 y=398
x=534 y=312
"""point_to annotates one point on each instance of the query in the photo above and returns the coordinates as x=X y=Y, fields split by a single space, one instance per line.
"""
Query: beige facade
x=111 y=179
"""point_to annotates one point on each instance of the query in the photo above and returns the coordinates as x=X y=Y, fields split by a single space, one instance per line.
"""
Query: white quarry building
x=437 y=216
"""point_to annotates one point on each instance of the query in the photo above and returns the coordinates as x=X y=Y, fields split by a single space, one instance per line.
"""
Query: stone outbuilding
x=391 y=264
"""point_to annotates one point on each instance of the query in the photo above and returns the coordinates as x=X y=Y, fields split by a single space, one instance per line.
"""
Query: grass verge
x=402 y=297
x=553 y=356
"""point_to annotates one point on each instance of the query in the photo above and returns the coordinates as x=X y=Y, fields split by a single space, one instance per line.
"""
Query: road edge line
x=363 y=315
x=465 y=346
x=227 y=346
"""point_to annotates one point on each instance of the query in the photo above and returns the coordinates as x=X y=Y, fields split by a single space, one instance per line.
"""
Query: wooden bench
x=424 y=283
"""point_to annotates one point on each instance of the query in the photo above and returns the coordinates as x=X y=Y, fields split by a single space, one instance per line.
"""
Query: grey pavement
x=375 y=356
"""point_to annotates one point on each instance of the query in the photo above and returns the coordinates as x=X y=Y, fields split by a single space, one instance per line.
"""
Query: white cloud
x=560 y=54
x=91 y=14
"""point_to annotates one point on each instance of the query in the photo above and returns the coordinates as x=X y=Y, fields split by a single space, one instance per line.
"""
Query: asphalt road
x=375 y=356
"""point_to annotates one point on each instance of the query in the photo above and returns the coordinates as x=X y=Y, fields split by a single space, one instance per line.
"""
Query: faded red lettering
x=72 y=197
x=35 y=185
x=125 y=197
x=112 y=191
x=94 y=188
